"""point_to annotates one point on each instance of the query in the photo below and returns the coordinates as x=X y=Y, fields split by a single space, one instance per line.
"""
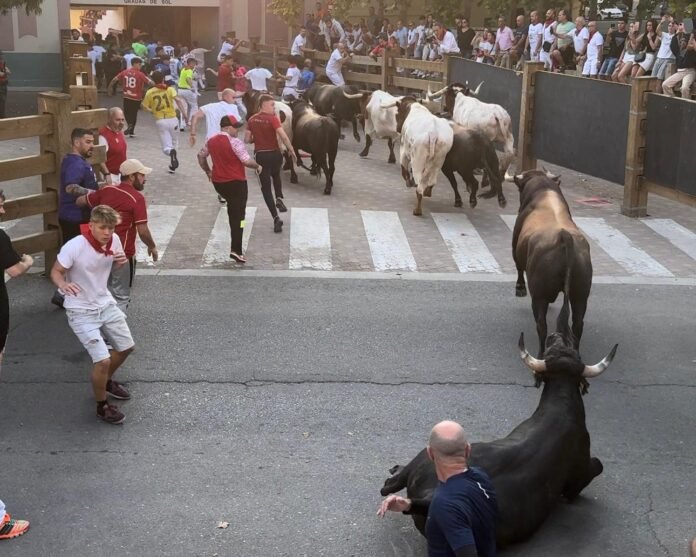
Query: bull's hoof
x=293 y=179
x=520 y=291
x=472 y=202
x=417 y=213
x=357 y=138
x=410 y=184
x=428 y=192
x=458 y=203
x=327 y=190
x=502 y=202
x=364 y=153
x=392 y=159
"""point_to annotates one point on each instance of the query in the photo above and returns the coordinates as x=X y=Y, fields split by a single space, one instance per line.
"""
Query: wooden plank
x=48 y=240
x=25 y=126
x=89 y=119
x=417 y=84
x=98 y=155
x=411 y=64
x=669 y=193
x=29 y=205
x=365 y=61
x=363 y=77
x=23 y=167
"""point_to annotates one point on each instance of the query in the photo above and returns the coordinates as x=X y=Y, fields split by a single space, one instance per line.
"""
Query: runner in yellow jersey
x=162 y=101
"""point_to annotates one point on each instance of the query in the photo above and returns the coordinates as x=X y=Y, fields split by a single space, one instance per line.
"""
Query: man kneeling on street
x=82 y=272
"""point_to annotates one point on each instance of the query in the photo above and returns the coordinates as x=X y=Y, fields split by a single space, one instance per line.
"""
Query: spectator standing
x=616 y=39
x=420 y=42
x=334 y=66
x=548 y=39
x=162 y=101
x=595 y=46
x=666 y=31
x=648 y=45
x=258 y=77
x=520 y=42
x=535 y=36
x=228 y=176
x=265 y=131
x=504 y=42
x=684 y=50
x=465 y=38
x=580 y=36
x=298 y=45
x=82 y=272
x=485 y=44
x=4 y=81
x=373 y=21
x=133 y=82
x=444 y=40
x=401 y=34
x=563 y=55
x=333 y=31
x=13 y=265
x=114 y=139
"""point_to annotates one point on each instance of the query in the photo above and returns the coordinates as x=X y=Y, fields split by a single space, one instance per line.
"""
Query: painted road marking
x=465 y=244
x=162 y=221
x=217 y=250
x=387 y=241
x=679 y=236
x=620 y=248
x=310 y=239
x=509 y=220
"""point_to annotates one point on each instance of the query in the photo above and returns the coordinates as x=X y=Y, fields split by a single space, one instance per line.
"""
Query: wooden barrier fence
x=52 y=125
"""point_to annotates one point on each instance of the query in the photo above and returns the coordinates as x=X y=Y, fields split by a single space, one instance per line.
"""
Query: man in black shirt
x=616 y=40
x=465 y=36
x=521 y=31
x=684 y=49
x=13 y=265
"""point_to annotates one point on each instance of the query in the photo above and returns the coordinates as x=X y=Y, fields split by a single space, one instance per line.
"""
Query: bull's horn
x=509 y=177
x=390 y=105
x=537 y=366
x=476 y=92
x=433 y=96
x=599 y=368
x=549 y=175
x=353 y=96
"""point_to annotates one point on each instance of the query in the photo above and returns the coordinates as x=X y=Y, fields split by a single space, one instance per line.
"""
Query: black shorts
x=568 y=55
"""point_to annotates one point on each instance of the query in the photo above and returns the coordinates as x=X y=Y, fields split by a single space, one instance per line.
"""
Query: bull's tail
x=562 y=324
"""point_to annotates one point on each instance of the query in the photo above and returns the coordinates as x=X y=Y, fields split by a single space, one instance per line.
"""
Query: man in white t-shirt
x=128 y=57
x=213 y=113
x=298 y=45
x=335 y=64
x=548 y=38
x=595 y=45
x=580 y=36
x=292 y=79
x=81 y=272
x=258 y=77
x=665 y=31
x=226 y=49
x=534 y=37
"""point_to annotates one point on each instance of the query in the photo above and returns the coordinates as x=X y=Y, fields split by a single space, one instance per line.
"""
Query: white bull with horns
x=491 y=120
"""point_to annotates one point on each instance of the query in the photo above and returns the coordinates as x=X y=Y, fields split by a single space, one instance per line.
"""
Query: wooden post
x=525 y=157
x=387 y=69
x=635 y=201
x=275 y=60
x=58 y=105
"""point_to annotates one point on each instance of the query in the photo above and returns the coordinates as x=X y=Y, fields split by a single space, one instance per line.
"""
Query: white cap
x=133 y=166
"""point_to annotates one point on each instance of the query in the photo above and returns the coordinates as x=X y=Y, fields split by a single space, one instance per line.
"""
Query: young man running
x=82 y=272
x=187 y=88
x=133 y=80
x=265 y=131
x=162 y=101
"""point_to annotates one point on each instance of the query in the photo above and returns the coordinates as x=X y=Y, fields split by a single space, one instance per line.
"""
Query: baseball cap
x=133 y=166
x=230 y=120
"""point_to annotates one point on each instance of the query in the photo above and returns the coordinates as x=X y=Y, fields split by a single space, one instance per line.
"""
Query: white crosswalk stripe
x=465 y=244
x=310 y=239
x=217 y=250
x=162 y=221
x=387 y=240
x=620 y=248
x=679 y=236
x=509 y=220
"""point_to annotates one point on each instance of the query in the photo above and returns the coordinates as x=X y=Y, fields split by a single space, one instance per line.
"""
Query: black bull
x=544 y=458
x=342 y=103
x=317 y=135
x=549 y=247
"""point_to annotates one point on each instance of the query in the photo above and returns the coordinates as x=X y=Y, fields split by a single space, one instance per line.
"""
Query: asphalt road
x=278 y=405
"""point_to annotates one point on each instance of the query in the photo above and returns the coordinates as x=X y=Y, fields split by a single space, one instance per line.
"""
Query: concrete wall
x=205 y=27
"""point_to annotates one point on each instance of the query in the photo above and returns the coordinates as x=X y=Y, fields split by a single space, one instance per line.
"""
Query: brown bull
x=549 y=247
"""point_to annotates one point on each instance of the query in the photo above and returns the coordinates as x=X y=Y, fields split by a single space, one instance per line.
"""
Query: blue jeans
x=608 y=66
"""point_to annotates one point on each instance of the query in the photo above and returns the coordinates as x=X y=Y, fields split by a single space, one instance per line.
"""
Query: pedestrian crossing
x=308 y=243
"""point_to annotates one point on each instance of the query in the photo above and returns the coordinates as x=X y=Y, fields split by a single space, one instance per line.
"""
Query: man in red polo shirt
x=225 y=75
x=133 y=81
x=229 y=156
x=113 y=137
x=264 y=130
x=130 y=204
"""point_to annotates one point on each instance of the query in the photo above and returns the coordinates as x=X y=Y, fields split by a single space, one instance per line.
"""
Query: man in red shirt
x=229 y=156
x=113 y=137
x=127 y=199
x=225 y=75
x=133 y=81
x=264 y=130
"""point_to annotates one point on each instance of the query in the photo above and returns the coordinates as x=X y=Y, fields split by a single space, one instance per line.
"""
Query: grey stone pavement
x=369 y=184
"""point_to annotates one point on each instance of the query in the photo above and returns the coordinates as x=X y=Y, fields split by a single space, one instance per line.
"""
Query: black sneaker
x=221 y=199
x=171 y=170
x=110 y=414
x=277 y=225
x=117 y=390
x=280 y=205
x=173 y=160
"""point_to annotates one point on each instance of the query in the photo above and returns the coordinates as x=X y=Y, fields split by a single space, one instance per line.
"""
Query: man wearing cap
x=4 y=80
x=127 y=199
x=229 y=156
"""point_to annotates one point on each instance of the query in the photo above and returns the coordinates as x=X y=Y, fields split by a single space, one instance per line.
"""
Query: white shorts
x=92 y=325
x=647 y=64
x=167 y=130
x=591 y=67
x=628 y=58
x=336 y=78
x=545 y=57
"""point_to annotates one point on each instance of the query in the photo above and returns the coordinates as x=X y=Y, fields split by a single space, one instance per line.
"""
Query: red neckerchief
x=592 y=33
x=548 y=22
x=292 y=65
x=87 y=233
x=162 y=86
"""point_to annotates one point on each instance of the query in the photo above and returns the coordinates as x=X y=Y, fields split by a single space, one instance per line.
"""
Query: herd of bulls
x=547 y=456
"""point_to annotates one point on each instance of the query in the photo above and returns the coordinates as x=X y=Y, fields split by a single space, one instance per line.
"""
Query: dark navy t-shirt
x=462 y=513
x=75 y=170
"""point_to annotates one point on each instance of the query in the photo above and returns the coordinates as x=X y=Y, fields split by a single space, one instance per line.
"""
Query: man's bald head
x=228 y=95
x=115 y=118
x=448 y=440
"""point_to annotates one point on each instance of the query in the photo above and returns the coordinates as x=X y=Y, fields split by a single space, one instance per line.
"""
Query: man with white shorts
x=335 y=64
x=594 y=51
x=548 y=39
x=162 y=100
x=81 y=272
